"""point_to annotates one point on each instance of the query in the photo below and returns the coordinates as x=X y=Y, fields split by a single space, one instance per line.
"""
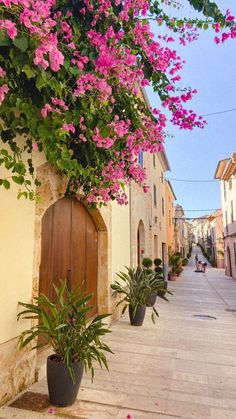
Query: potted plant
x=151 y=281
x=157 y=288
x=135 y=289
x=179 y=269
x=74 y=340
x=175 y=262
x=163 y=284
x=147 y=264
x=184 y=262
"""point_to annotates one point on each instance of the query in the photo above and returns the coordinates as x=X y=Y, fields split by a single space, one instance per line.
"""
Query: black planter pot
x=151 y=299
x=161 y=293
x=137 y=319
x=62 y=391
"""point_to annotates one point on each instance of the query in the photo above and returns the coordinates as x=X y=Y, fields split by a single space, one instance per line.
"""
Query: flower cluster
x=76 y=75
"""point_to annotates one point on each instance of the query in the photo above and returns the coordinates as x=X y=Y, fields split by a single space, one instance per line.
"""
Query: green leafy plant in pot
x=75 y=341
x=136 y=290
x=151 y=280
x=147 y=264
x=175 y=262
x=161 y=291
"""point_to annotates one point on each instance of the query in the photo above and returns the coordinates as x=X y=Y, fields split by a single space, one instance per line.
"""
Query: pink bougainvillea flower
x=129 y=416
x=157 y=403
x=51 y=411
x=3 y=90
x=35 y=147
x=69 y=128
x=2 y=72
x=9 y=26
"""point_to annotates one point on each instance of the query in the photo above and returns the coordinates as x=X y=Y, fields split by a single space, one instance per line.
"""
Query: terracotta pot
x=173 y=276
x=137 y=318
x=62 y=390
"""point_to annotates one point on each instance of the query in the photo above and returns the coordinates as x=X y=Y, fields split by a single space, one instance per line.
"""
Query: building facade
x=216 y=239
x=148 y=216
x=170 y=216
x=181 y=232
x=226 y=173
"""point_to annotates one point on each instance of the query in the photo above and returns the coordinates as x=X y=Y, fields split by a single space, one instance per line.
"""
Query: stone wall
x=17 y=370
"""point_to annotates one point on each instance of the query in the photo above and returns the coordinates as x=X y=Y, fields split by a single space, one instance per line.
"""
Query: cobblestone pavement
x=183 y=367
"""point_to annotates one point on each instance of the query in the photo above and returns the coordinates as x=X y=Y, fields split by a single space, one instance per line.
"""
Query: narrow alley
x=183 y=367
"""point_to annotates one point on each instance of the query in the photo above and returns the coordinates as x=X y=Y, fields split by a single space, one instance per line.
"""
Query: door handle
x=69 y=279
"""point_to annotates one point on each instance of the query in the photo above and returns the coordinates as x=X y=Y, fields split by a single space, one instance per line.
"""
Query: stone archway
x=51 y=191
x=140 y=242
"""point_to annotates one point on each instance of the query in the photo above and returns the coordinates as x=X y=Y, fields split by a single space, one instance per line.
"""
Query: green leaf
x=105 y=132
x=21 y=42
x=28 y=71
x=4 y=39
x=18 y=179
x=43 y=132
x=6 y=184
x=20 y=168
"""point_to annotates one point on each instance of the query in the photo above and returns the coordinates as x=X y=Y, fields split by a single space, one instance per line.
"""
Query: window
x=224 y=183
x=230 y=184
x=155 y=195
x=140 y=158
x=235 y=253
x=232 y=212
x=163 y=206
x=162 y=177
x=155 y=246
x=154 y=160
x=169 y=218
x=226 y=221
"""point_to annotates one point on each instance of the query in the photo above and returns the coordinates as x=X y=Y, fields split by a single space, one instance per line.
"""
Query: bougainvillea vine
x=72 y=75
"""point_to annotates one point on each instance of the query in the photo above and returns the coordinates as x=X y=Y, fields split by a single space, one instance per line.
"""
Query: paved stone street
x=183 y=367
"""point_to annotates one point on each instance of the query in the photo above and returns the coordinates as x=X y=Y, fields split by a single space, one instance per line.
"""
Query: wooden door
x=69 y=249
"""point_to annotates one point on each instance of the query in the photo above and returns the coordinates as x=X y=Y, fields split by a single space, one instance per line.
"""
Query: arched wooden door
x=69 y=249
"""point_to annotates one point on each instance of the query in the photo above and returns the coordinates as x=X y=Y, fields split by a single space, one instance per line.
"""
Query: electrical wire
x=202 y=210
x=193 y=180
x=220 y=112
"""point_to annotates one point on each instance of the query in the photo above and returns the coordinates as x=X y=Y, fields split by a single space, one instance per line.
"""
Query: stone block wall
x=17 y=370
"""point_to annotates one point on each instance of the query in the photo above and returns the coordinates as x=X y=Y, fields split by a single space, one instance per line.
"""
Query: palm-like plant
x=136 y=288
x=63 y=325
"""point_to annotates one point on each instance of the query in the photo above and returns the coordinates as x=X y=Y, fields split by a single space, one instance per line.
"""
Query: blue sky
x=211 y=69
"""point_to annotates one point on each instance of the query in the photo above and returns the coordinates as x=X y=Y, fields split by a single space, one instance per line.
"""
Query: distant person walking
x=204 y=265
x=196 y=260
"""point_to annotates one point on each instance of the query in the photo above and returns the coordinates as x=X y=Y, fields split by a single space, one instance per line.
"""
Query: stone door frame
x=52 y=188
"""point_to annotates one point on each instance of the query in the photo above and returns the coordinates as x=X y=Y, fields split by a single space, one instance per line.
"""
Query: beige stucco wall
x=169 y=218
x=143 y=208
x=17 y=218
x=16 y=259
x=120 y=238
x=16 y=256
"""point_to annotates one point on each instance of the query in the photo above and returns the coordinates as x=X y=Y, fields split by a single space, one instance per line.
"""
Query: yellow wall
x=16 y=256
x=16 y=259
x=120 y=238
